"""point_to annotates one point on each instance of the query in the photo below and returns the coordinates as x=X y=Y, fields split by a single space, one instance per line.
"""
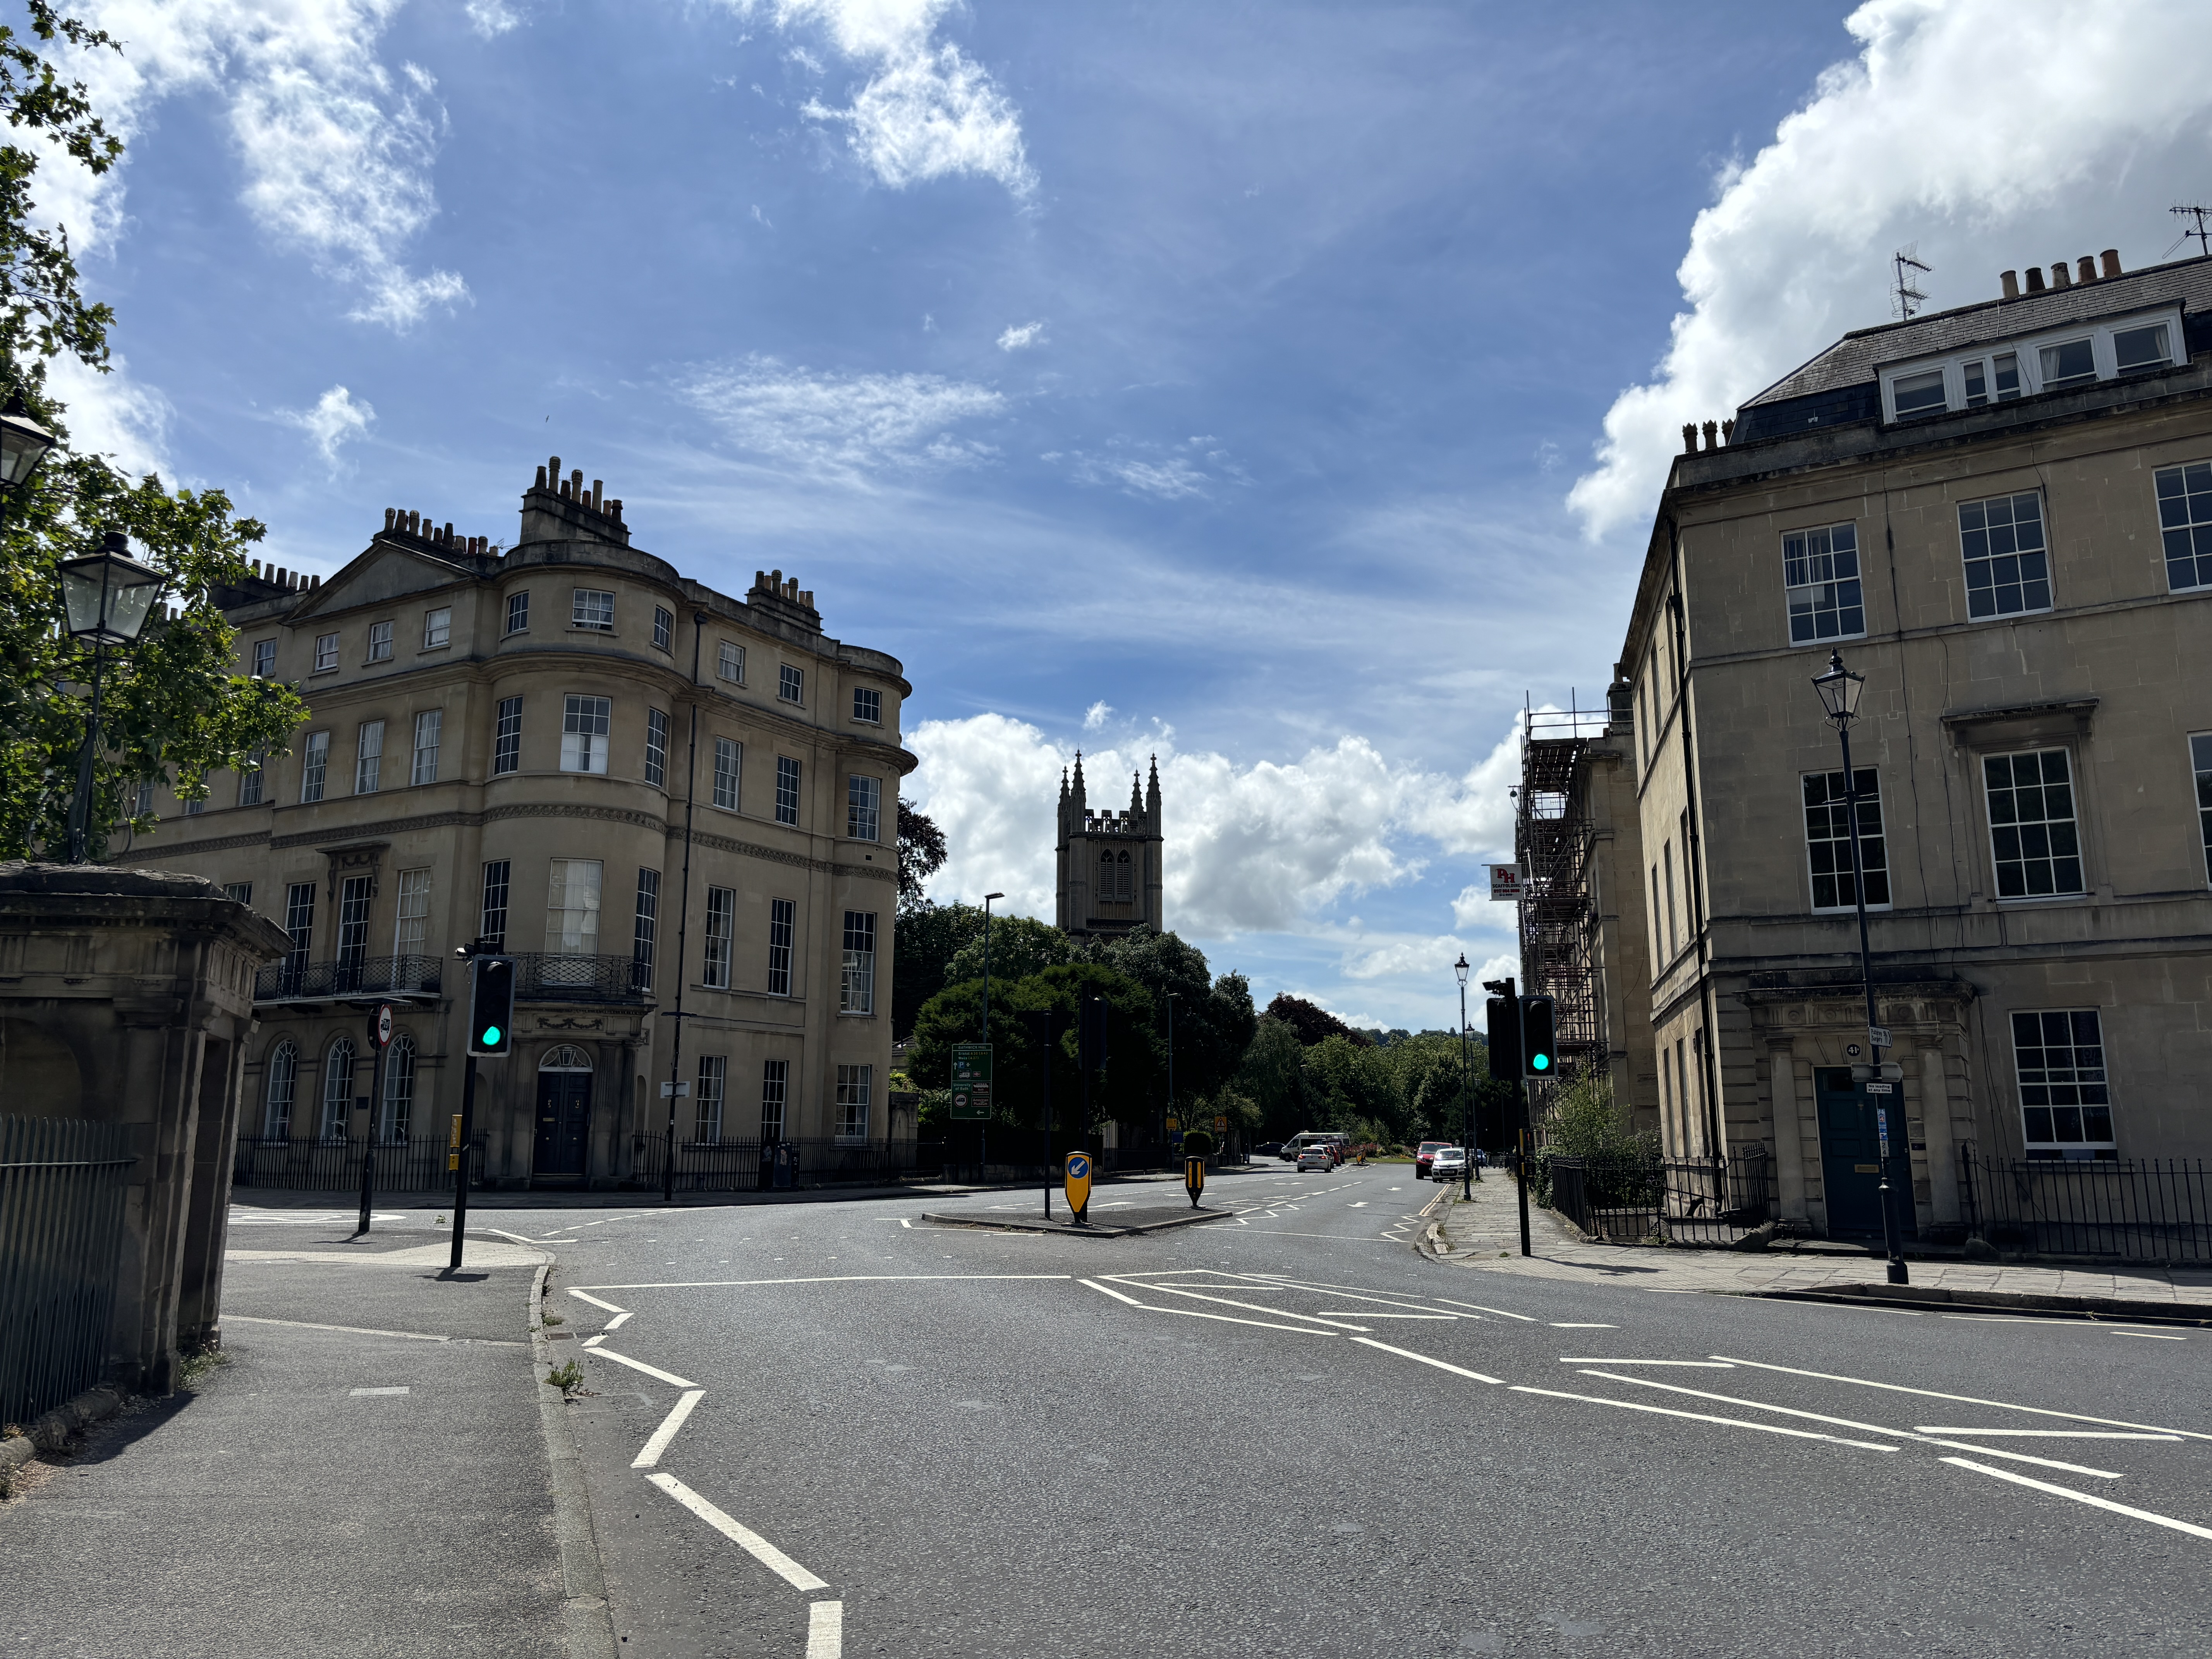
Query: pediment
x=385 y=572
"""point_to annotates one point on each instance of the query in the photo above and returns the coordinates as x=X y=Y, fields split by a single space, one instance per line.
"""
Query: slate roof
x=1852 y=360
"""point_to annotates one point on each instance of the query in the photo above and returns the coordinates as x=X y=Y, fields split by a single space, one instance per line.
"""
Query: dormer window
x=2081 y=355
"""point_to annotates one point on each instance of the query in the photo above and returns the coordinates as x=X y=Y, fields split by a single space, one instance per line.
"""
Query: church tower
x=1110 y=873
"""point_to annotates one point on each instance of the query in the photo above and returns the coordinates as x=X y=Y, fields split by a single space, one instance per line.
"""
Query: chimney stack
x=2009 y=282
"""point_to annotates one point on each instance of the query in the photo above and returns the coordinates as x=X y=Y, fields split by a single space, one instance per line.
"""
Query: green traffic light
x=490 y=1036
x=1541 y=1062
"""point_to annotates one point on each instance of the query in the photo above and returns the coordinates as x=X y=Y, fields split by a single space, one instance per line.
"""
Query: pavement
x=364 y=1474
x=838 y=1429
x=1485 y=1234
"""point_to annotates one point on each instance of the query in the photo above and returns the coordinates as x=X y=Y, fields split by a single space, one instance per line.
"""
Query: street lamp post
x=983 y=1134
x=107 y=597
x=1466 y=1083
x=1840 y=691
x=1171 y=1105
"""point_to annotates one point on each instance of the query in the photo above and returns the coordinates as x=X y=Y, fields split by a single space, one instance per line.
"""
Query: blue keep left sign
x=1078 y=1180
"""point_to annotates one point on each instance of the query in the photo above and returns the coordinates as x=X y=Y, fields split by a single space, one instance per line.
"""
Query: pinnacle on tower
x=1136 y=797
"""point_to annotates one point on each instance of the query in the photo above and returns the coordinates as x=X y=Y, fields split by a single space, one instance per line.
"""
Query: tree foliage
x=1311 y=1022
x=920 y=854
x=172 y=710
x=1020 y=946
x=926 y=939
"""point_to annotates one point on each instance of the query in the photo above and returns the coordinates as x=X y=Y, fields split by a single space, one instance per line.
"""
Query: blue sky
x=1283 y=390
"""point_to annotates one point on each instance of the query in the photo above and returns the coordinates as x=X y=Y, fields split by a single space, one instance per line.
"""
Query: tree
x=172 y=710
x=1020 y=946
x=925 y=939
x=920 y=854
x=1213 y=1018
x=1311 y=1022
x=1122 y=1089
x=1271 y=1074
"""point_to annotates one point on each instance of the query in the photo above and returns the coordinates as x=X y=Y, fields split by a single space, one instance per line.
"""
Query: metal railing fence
x=1625 y=1198
x=2139 y=1209
x=63 y=1182
x=334 y=1166
x=544 y=978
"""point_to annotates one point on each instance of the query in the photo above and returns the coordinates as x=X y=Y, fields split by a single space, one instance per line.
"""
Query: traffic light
x=491 y=1006
x=1540 y=1053
x=1091 y=1032
x=1504 y=1016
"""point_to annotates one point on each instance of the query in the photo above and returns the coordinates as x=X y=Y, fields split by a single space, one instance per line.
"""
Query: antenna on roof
x=1904 y=298
x=2200 y=214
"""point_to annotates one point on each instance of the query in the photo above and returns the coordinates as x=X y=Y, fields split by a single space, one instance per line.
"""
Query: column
x=1789 y=1147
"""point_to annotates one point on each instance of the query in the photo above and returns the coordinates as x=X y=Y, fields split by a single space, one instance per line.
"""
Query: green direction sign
x=971 y=1080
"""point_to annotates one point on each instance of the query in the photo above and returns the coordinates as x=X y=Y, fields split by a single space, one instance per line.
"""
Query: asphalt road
x=1289 y=1434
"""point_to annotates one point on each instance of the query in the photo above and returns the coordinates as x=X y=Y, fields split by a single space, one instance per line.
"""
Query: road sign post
x=1520 y=1175
x=1079 y=1186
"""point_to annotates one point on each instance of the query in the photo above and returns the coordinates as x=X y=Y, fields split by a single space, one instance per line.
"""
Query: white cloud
x=492 y=18
x=1021 y=338
x=336 y=155
x=1994 y=135
x=113 y=415
x=1251 y=847
x=336 y=419
x=844 y=426
x=927 y=110
x=1095 y=716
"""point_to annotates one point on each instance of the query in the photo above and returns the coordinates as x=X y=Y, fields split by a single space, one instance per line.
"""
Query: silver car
x=1449 y=1163
x=1316 y=1157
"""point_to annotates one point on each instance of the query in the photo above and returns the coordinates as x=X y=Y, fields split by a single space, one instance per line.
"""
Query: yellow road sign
x=1079 y=1181
x=1194 y=1178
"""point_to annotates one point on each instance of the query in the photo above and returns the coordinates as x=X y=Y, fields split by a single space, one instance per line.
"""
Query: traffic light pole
x=461 y=1160
x=368 y=1142
x=1520 y=1175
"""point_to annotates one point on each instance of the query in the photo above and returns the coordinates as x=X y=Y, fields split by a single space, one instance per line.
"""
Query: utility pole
x=983 y=1131
x=682 y=921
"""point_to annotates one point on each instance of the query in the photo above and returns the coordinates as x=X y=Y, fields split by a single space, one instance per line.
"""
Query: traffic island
x=1136 y=1219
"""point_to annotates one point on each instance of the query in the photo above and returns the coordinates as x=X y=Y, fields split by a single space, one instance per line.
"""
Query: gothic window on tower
x=1116 y=878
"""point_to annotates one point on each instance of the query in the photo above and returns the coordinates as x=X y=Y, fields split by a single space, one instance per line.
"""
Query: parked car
x=1317 y=1156
x=1268 y=1149
x=1449 y=1164
x=1423 y=1154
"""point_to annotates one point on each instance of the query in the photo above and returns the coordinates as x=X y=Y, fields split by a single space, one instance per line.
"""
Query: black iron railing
x=371 y=976
x=334 y=1166
x=2139 y=1209
x=546 y=978
x=745 y=1166
x=1627 y=1198
x=62 y=1192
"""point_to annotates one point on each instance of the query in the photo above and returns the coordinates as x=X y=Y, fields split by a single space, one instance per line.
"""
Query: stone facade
x=2034 y=720
x=1109 y=862
x=126 y=997
x=549 y=747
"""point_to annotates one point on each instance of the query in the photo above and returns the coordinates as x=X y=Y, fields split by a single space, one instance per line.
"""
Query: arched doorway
x=564 y=1113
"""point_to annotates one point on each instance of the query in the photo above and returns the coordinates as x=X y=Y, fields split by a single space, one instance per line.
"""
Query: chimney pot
x=541 y=479
x=448 y=536
x=389 y=513
x=760 y=579
x=775 y=582
x=315 y=581
x=553 y=469
x=2009 y=282
x=598 y=484
x=2085 y=269
x=2058 y=276
x=806 y=598
x=2035 y=283
x=576 y=481
x=2110 y=256
x=1728 y=431
x=1712 y=434
x=1689 y=437
x=614 y=509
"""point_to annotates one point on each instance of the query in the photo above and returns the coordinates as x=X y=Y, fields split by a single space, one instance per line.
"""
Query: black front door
x=1850 y=1155
x=564 y=1116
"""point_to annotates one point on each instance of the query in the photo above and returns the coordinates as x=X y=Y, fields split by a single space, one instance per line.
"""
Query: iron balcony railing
x=546 y=978
x=63 y=1185
x=369 y=976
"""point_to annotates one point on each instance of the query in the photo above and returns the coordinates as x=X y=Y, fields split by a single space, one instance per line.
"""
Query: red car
x=1425 y=1155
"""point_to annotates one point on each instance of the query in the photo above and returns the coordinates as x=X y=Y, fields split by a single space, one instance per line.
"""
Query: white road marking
x=825 y=1630
x=616 y=1323
x=1285 y=1232
x=1362 y=1313
x=1694 y=1364
x=1361 y=1204
x=1250 y=1307
x=363 y=1394
x=594 y=1341
x=905 y=1222
x=1526 y=1319
x=1963 y=1399
x=1194 y=1313
x=1581 y=1325
x=595 y=1301
x=742 y=1536
x=2151 y=1336
x=650 y=1453
x=827 y=1278
x=2083 y=1497
x=1702 y=1417
x=1408 y=1353
x=1848 y=1423
x=668 y=1377
x=2048 y=1434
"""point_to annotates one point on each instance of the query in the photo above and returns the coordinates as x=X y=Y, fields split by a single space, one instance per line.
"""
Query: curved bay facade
x=505 y=746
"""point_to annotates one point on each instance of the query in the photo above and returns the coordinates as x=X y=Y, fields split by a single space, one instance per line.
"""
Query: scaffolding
x=1555 y=841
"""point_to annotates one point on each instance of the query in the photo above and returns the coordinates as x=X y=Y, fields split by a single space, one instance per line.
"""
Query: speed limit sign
x=380 y=1025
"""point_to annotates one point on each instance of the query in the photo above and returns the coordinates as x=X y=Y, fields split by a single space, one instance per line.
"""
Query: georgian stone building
x=1109 y=862
x=648 y=793
x=2002 y=516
